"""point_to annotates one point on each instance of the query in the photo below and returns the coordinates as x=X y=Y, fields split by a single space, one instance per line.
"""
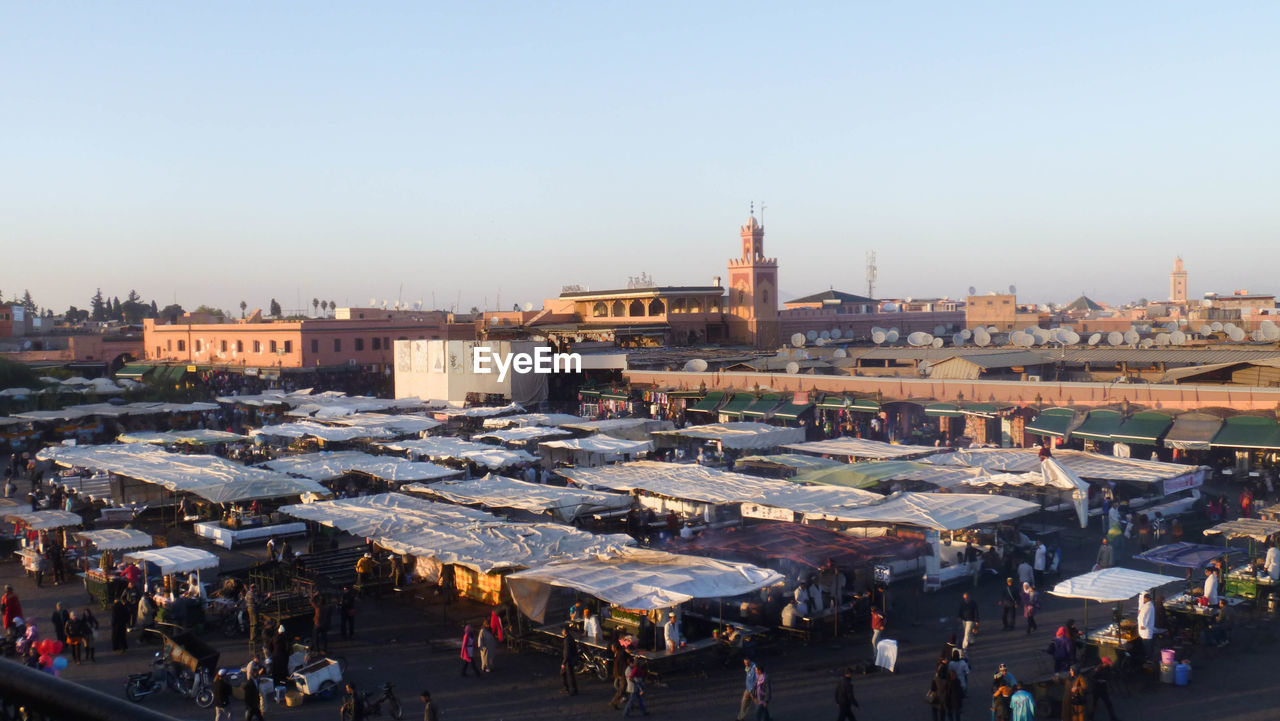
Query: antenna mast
x=871 y=274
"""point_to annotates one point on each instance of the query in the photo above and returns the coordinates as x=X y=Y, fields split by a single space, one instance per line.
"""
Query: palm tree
x=315 y=303
x=243 y=307
x=333 y=306
x=324 y=305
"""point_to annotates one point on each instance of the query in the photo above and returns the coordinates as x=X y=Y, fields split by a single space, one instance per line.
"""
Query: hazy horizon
x=213 y=154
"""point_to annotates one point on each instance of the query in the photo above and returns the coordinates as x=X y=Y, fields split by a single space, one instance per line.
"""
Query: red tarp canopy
x=767 y=542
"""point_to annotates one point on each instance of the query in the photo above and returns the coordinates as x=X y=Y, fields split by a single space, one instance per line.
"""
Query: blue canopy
x=1187 y=555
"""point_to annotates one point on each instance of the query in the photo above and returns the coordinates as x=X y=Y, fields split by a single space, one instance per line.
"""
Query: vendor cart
x=319 y=677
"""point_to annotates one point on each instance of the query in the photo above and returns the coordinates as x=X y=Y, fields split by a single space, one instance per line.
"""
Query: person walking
x=749 y=694
x=955 y=696
x=1038 y=565
x=252 y=701
x=939 y=689
x=468 y=652
x=845 y=700
x=1102 y=689
x=635 y=688
x=568 y=659
x=877 y=628
x=488 y=646
x=764 y=694
x=221 y=697
x=281 y=649
x=10 y=607
x=90 y=634
x=1077 y=693
x=1022 y=705
x=321 y=617
x=968 y=615
x=59 y=619
x=429 y=710
x=74 y=635
x=1030 y=605
x=119 y=625
x=1106 y=556
x=347 y=610
x=1010 y=602
x=619 y=664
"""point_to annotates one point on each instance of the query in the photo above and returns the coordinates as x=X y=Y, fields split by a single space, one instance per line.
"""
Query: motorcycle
x=591 y=663
x=182 y=681
x=373 y=707
x=236 y=623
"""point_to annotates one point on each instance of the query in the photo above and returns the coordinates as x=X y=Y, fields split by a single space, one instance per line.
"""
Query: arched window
x=619 y=309
x=657 y=307
x=182 y=345
x=695 y=305
x=678 y=305
x=239 y=346
x=636 y=309
x=599 y=310
x=764 y=297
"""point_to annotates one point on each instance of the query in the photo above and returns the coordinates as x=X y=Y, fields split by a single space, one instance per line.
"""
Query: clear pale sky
x=213 y=152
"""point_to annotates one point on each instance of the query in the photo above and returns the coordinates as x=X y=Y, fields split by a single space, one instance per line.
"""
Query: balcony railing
x=30 y=695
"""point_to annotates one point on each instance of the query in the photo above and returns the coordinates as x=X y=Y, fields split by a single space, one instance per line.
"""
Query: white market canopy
x=330 y=434
x=480 y=411
x=212 y=478
x=740 y=435
x=399 y=425
x=45 y=520
x=1052 y=475
x=331 y=405
x=493 y=547
x=449 y=448
x=1086 y=465
x=711 y=485
x=1256 y=529
x=386 y=514
x=635 y=429
x=330 y=465
x=117 y=539
x=197 y=436
x=523 y=434
x=599 y=448
x=1111 y=585
x=849 y=447
x=939 y=511
x=175 y=559
x=638 y=579
x=533 y=419
x=794 y=461
x=502 y=492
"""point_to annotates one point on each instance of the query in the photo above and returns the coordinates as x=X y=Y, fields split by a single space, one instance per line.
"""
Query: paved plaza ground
x=415 y=647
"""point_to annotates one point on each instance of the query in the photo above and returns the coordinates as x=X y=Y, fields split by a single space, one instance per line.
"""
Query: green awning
x=169 y=374
x=864 y=405
x=736 y=405
x=833 y=402
x=709 y=404
x=134 y=370
x=1254 y=432
x=762 y=405
x=1053 y=422
x=684 y=394
x=792 y=410
x=1099 y=425
x=943 y=410
x=1143 y=428
x=612 y=395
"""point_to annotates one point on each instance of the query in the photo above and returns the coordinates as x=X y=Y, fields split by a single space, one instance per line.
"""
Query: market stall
x=39 y=534
x=1111 y=585
x=593 y=450
x=102 y=580
x=172 y=576
x=565 y=505
x=736 y=436
x=851 y=449
x=1249 y=581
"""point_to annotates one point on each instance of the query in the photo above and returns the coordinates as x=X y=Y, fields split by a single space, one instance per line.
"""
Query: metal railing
x=30 y=695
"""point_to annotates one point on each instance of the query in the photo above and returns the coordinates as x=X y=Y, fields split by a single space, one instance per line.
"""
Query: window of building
x=158 y=350
x=619 y=309
x=377 y=343
x=764 y=296
x=199 y=345
x=315 y=346
x=257 y=346
x=599 y=310
x=273 y=346
x=182 y=345
x=222 y=346
x=288 y=346
x=386 y=342
x=636 y=309
x=168 y=344
x=657 y=307
x=239 y=346
x=337 y=345
x=359 y=344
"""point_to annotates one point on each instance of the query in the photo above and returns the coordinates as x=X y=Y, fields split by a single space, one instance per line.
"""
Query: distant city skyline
x=213 y=154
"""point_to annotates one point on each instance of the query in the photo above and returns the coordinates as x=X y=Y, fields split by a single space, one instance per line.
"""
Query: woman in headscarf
x=1030 y=604
x=469 y=650
x=488 y=646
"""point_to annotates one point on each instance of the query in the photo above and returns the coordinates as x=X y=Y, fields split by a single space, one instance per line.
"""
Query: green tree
x=333 y=307
x=315 y=305
x=27 y=302
x=154 y=310
x=98 y=308
x=275 y=308
x=75 y=315
x=215 y=312
x=171 y=312
x=134 y=309
x=243 y=307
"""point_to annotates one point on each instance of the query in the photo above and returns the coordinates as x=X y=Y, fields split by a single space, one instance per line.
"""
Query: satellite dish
x=917 y=339
x=1146 y=343
x=1206 y=330
x=373 y=302
x=876 y=328
x=793 y=368
x=1021 y=339
x=992 y=330
x=939 y=330
x=1256 y=336
x=1041 y=335
x=1069 y=337
x=797 y=340
x=981 y=337
x=891 y=336
x=878 y=336
x=825 y=335
x=836 y=333
x=811 y=335
x=1095 y=339
x=1178 y=338
x=840 y=353
x=822 y=341
x=936 y=343
x=1206 y=303
x=1131 y=336
x=697 y=365
x=527 y=306
x=1043 y=308
x=966 y=334
x=1235 y=334
x=891 y=307
x=1115 y=337
x=957 y=339
x=1162 y=339
x=1013 y=288
x=1170 y=326
x=1216 y=327
x=973 y=291
x=1270 y=331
